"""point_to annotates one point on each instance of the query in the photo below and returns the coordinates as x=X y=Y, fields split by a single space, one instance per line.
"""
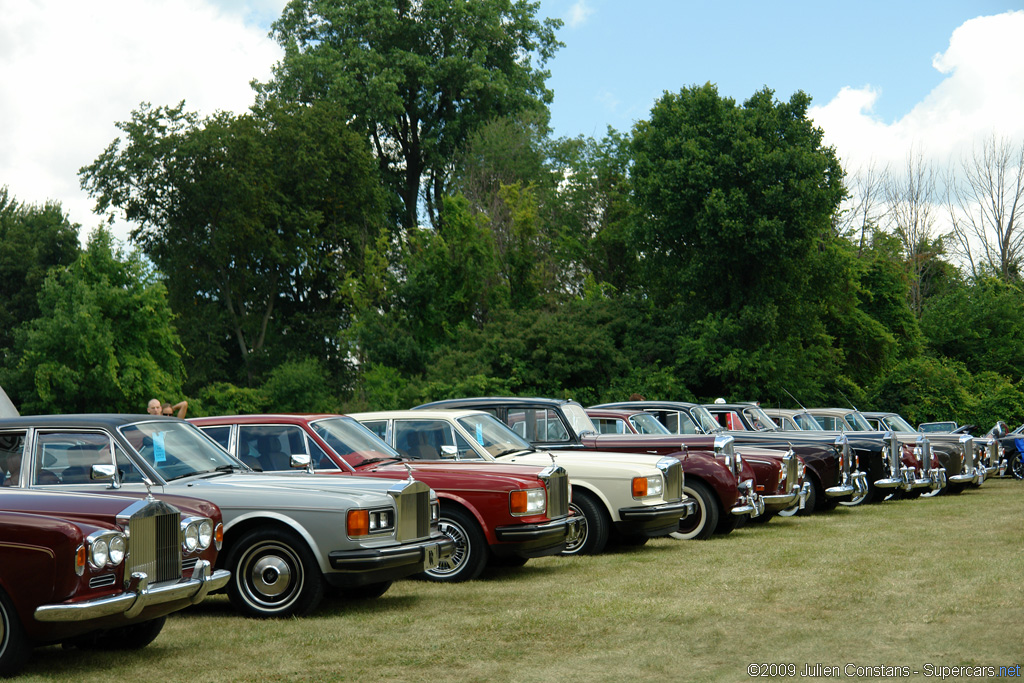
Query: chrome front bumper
x=908 y=480
x=858 y=485
x=975 y=476
x=749 y=503
x=139 y=596
x=782 y=501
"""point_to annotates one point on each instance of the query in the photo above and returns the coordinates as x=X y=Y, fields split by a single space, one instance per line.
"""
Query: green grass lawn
x=934 y=582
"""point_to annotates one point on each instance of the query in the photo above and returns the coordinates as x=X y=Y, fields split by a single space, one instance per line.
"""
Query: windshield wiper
x=372 y=461
x=188 y=474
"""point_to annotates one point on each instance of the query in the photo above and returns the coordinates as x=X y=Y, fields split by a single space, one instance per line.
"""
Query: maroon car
x=492 y=511
x=99 y=570
x=829 y=469
x=779 y=476
x=723 y=487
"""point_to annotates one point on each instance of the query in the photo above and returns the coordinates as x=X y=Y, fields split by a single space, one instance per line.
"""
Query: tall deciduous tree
x=255 y=219
x=104 y=340
x=985 y=201
x=737 y=205
x=736 y=197
x=417 y=75
x=911 y=200
x=32 y=240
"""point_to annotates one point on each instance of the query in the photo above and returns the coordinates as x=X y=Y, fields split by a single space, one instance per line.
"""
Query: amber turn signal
x=639 y=487
x=358 y=522
x=517 y=500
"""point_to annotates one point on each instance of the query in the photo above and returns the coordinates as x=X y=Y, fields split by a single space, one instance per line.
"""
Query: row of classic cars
x=137 y=516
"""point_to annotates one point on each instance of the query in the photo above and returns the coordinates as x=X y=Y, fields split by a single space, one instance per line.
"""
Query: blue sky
x=619 y=57
x=885 y=77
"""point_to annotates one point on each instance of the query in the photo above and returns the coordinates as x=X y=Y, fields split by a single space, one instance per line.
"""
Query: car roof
x=93 y=420
x=438 y=413
x=647 y=405
x=494 y=401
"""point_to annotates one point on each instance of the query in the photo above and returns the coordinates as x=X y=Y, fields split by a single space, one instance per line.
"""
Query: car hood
x=611 y=463
x=454 y=474
x=307 y=491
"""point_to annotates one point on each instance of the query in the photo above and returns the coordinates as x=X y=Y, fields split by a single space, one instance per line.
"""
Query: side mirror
x=450 y=452
x=102 y=473
x=298 y=461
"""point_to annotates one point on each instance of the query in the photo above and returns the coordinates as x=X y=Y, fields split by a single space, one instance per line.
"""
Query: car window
x=537 y=424
x=220 y=434
x=645 y=423
x=610 y=425
x=424 y=439
x=12 y=447
x=378 y=427
x=67 y=458
x=270 y=447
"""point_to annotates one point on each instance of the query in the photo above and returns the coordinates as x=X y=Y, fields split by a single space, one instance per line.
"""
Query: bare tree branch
x=986 y=207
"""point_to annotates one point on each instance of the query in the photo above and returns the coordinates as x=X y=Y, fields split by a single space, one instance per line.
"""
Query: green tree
x=979 y=324
x=592 y=213
x=255 y=219
x=418 y=76
x=104 y=340
x=926 y=389
x=736 y=198
x=418 y=293
x=32 y=240
x=737 y=205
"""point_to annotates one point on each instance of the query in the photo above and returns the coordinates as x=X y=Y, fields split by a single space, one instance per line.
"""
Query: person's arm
x=181 y=407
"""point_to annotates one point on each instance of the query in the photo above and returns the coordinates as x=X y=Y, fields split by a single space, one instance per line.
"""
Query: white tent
x=7 y=408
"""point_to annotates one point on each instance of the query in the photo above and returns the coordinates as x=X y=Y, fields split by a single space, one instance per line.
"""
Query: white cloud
x=982 y=94
x=72 y=69
x=578 y=13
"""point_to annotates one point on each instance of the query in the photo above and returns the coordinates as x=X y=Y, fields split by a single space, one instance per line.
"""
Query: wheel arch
x=450 y=502
x=263 y=520
x=590 y=489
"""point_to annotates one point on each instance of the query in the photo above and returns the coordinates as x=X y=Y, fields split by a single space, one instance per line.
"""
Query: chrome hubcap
x=459 y=555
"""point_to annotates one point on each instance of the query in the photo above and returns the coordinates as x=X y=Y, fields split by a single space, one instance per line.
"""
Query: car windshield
x=578 y=419
x=352 y=441
x=177 y=449
x=493 y=435
x=807 y=422
x=705 y=420
x=759 y=419
x=898 y=424
x=937 y=427
x=858 y=423
x=645 y=423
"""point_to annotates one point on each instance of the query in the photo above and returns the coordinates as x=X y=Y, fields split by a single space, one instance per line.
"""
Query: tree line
x=394 y=222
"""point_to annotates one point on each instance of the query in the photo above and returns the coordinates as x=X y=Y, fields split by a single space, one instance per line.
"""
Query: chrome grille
x=556 y=483
x=791 y=466
x=672 y=471
x=154 y=540
x=412 y=503
x=188 y=565
x=967 y=446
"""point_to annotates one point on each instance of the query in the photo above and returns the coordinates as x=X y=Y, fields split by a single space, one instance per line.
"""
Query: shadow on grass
x=70 y=662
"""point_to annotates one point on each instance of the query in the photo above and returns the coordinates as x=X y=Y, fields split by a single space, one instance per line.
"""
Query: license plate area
x=431 y=556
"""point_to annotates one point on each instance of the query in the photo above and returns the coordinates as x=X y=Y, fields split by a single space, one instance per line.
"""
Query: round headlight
x=99 y=552
x=116 y=549
x=191 y=537
x=205 y=534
